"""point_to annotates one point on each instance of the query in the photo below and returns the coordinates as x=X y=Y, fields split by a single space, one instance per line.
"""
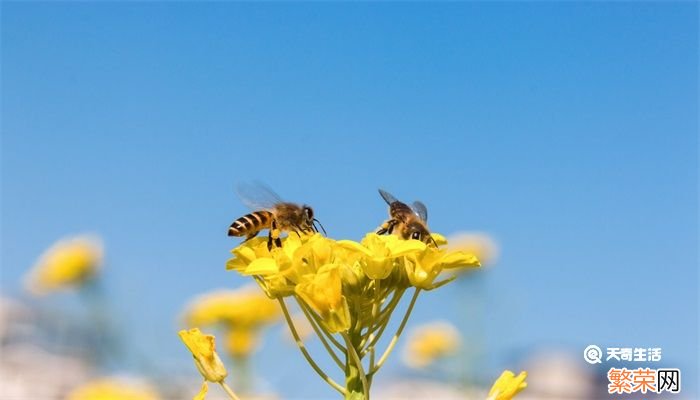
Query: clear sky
x=568 y=131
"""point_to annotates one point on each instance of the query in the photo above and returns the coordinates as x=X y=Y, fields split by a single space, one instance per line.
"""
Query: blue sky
x=568 y=131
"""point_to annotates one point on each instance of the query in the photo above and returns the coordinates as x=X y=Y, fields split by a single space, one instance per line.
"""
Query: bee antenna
x=319 y=224
x=433 y=240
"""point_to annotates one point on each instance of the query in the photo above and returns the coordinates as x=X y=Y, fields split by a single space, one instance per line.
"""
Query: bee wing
x=421 y=210
x=387 y=196
x=258 y=196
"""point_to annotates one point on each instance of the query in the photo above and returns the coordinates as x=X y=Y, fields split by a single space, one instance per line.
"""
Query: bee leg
x=386 y=227
x=273 y=234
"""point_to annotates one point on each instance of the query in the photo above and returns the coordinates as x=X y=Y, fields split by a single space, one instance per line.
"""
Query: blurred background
x=557 y=139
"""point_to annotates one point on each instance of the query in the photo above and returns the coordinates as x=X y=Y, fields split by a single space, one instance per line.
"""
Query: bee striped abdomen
x=250 y=223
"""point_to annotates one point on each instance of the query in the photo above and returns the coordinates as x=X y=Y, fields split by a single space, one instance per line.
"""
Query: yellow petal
x=245 y=253
x=354 y=246
x=508 y=385
x=378 y=268
x=458 y=259
x=262 y=266
x=324 y=294
x=404 y=247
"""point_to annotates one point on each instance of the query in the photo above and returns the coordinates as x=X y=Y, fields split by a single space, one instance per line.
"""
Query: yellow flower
x=323 y=292
x=349 y=288
x=507 y=386
x=241 y=342
x=112 y=389
x=67 y=264
x=203 y=350
x=245 y=307
x=379 y=252
x=422 y=268
x=430 y=342
x=252 y=258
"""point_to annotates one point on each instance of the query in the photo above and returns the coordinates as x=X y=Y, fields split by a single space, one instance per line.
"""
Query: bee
x=273 y=214
x=406 y=222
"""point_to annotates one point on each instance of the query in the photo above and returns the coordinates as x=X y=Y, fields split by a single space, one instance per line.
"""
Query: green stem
x=386 y=314
x=395 y=339
x=321 y=335
x=228 y=391
x=319 y=323
x=356 y=378
x=306 y=354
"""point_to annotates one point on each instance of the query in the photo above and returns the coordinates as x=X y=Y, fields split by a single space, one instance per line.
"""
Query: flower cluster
x=348 y=290
x=343 y=280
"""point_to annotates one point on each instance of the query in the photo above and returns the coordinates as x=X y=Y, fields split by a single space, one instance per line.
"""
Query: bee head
x=310 y=221
x=308 y=213
x=418 y=231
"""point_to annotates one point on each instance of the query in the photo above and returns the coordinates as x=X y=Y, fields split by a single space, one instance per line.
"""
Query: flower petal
x=508 y=385
x=458 y=259
x=262 y=266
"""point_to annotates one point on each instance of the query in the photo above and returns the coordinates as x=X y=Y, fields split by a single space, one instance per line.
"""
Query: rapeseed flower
x=244 y=307
x=113 y=389
x=347 y=290
x=431 y=342
x=241 y=341
x=68 y=264
x=242 y=314
x=203 y=349
x=481 y=244
x=507 y=386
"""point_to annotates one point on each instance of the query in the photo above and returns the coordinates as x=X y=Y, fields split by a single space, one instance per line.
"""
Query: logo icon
x=593 y=354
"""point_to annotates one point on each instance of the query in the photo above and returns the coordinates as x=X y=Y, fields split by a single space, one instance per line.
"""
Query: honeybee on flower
x=407 y=222
x=271 y=213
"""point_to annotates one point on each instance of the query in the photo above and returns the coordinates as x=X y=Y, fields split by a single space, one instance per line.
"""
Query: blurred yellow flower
x=508 y=385
x=241 y=342
x=430 y=342
x=246 y=307
x=69 y=263
x=481 y=244
x=203 y=349
x=112 y=389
